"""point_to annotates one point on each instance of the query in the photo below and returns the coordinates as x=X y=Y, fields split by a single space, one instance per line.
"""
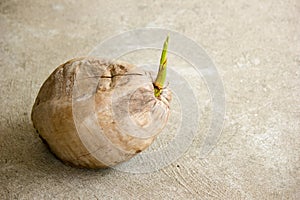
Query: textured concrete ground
x=256 y=48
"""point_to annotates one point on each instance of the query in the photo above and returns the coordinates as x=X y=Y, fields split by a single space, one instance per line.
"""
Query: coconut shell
x=95 y=113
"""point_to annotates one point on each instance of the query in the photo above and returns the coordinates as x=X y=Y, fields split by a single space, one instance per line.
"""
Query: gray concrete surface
x=256 y=48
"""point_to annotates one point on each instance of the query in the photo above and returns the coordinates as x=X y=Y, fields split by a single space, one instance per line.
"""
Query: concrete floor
x=256 y=48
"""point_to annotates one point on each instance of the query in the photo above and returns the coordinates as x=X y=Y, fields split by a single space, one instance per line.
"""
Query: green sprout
x=162 y=71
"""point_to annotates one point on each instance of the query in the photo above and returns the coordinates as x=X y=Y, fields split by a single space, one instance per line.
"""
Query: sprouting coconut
x=96 y=113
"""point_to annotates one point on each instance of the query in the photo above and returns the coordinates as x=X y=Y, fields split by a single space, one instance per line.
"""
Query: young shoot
x=162 y=71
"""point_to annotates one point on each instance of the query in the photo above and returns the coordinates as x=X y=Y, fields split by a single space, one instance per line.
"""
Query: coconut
x=96 y=113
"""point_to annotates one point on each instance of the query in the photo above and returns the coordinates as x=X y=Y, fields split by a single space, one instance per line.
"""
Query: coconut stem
x=162 y=71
